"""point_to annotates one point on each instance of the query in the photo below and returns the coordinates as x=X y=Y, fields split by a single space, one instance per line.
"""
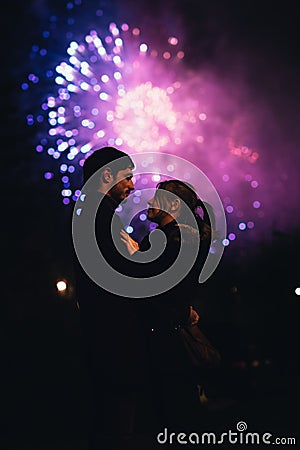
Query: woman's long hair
x=188 y=195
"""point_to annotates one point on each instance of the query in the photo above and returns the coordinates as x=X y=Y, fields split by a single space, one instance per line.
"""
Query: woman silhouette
x=175 y=209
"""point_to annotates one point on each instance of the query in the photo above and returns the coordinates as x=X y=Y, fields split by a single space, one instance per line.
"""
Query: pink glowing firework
x=111 y=87
x=144 y=118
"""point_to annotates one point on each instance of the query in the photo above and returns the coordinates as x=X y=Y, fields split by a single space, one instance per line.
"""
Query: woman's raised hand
x=131 y=244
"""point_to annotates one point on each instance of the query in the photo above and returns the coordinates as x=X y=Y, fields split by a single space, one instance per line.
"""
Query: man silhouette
x=110 y=326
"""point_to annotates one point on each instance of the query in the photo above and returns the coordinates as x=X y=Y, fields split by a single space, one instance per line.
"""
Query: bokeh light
x=61 y=286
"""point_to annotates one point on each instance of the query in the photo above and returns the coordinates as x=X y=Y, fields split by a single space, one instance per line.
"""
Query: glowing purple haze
x=114 y=87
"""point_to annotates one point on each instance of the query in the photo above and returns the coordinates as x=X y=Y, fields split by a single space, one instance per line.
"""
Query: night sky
x=253 y=310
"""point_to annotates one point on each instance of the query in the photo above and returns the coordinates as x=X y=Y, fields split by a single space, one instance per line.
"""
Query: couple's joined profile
x=132 y=351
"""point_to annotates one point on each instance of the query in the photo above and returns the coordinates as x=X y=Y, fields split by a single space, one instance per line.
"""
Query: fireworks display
x=110 y=86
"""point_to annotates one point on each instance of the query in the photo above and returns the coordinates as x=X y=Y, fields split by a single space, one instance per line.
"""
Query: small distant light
x=248 y=177
x=173 y=40
x=180 y=55
x=105 y=78
x=48 y=175
x=242 y=226
x=117 y=60
x=202 y=116
x=166 y=55
x=61 y=286
x=59 y=80
x=232 y=236
x=229 y=209
x=78 y=211
x=117 y=76
x=135 y=31
x=85 y=148
x=51 y=102
x=143 y=217
x=129 y=229
x=254 y=184
x=225 y=242
x=256 y=204
x=250 y=224
x=66 y=192
x=125 y=27
x=119 y=42
x=143 y=48
x=155 y=178
x=109 y=116
x=170 y=168
x=71 y=87
x=84 y=86
x=103 y=96
x=297 y=291
x=225 y=178
x=30 y=120
x=101 y=51
x=136 y=200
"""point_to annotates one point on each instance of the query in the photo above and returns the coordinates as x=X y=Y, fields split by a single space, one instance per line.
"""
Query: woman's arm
x=131 y=244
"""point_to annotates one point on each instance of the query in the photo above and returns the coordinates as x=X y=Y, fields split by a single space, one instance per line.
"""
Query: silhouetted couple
x=132 y=347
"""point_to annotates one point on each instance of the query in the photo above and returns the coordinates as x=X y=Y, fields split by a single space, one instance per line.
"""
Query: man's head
x=115 y=177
